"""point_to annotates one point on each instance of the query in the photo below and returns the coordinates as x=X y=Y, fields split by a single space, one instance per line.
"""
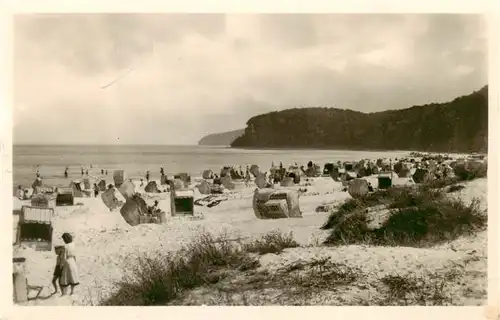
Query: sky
x=183 y=76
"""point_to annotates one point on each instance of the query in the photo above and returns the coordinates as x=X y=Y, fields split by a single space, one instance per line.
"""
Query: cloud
x=198 y=74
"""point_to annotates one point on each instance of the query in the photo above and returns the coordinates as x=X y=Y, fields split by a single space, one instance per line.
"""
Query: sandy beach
x=106 y=244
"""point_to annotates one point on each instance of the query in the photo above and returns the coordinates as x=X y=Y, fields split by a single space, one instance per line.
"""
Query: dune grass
x=429 y=289
x=272 y=242
x=396 y=197
x=160 y=278
x=420 y=217
x=228 y=275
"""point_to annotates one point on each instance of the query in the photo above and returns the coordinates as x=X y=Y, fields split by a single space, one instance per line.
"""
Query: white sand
x=106 y=243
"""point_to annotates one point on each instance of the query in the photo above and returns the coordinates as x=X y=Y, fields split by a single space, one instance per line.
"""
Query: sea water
x=51 y=160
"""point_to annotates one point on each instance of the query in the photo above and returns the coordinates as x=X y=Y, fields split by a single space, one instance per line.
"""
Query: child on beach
x=59 y=266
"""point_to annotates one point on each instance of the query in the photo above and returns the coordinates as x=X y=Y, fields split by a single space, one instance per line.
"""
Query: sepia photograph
x=223 y=159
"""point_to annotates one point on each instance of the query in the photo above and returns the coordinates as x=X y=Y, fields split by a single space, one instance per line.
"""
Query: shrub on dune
x=273 y=242
x=418 y=218
x=161 y=278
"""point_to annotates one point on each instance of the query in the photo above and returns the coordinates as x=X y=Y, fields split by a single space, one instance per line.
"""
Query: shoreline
x=356 y=150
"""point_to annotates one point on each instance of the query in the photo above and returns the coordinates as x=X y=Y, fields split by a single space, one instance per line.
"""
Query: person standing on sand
x=147 y=176
x=59 y=266
x=66 y=173
x=69 y=276
x=96 y=190
x=102 y=171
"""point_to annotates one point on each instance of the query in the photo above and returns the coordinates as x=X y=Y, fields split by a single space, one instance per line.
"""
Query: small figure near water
x=66 y=173
x=147 y=176
x=102 y=171
x=96 y=190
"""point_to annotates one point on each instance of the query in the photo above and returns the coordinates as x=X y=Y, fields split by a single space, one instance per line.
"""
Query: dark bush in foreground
x=427 y=223
x=478 y=170
x=273 y=242
x=159 y=279
x=397 y=197
x=162 y=278
x=431 y=223
x=455 y=188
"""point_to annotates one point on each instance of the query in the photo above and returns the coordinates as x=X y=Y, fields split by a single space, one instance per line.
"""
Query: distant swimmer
x=82 y=172
x=106 y=172
x=102 y=171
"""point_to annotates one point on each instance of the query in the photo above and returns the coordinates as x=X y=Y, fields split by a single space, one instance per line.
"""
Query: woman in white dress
x=70 y=275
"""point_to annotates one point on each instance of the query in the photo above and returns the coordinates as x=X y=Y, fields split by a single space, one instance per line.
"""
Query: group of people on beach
x=83 y=171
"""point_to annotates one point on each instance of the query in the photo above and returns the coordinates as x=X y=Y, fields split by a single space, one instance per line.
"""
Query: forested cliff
x=460 y=125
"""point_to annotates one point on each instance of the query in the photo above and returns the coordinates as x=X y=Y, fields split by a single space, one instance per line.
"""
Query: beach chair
x=204 y=187
x=327 y=169
x=348 y=166
x=65 y=197
x=163 y=180
x=358 y=188
x=133 y=210
x=127 y=189
x=43 y=201
x=119 y=177
x=152 y=187
x=254 y=170
x=287 y=182
x=208 y=174
x=86 y=184
x=112 y=199
x=276 y=204
x=35 y=228
x=421 y=176
x=76 y=185
x=185 y=177
x=384 y=181
x=102 y=185
x=227 y=182
x=182 y=202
